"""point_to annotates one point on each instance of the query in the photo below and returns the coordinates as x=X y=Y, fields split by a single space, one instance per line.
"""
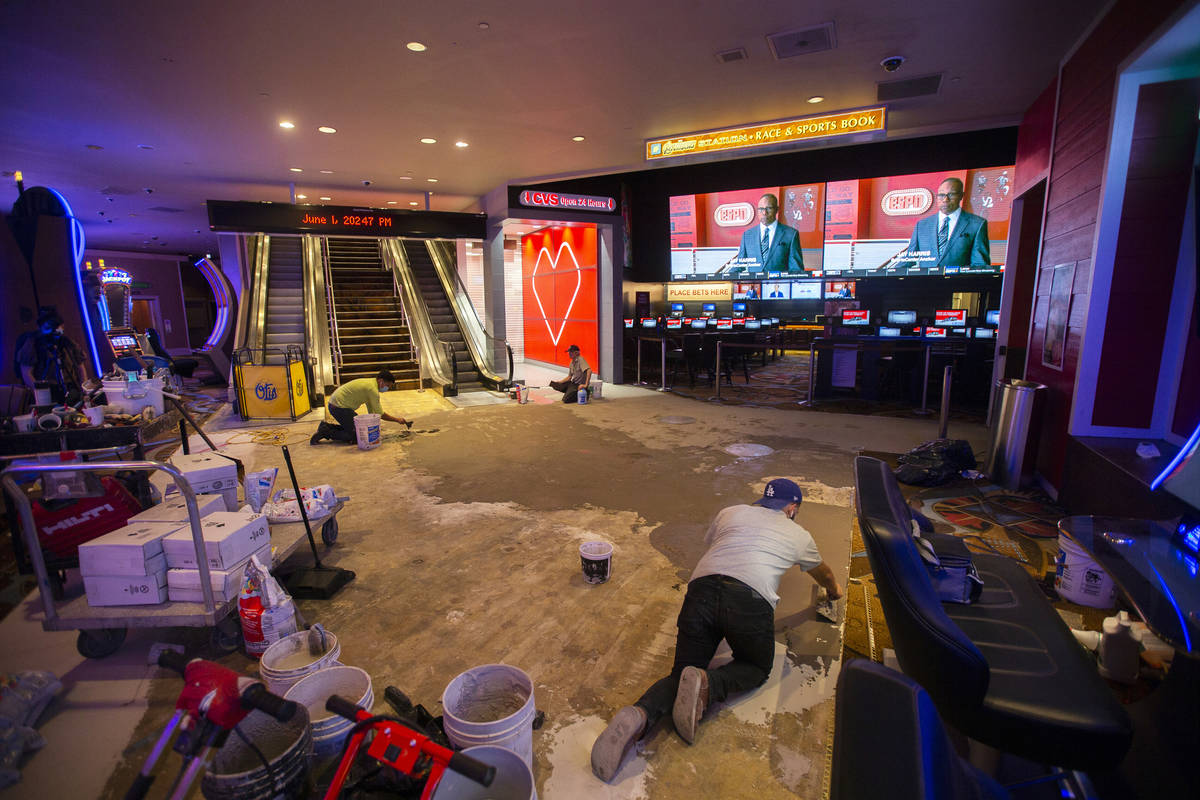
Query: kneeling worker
x=579 y=375
x=347 y=398
x=731 y=596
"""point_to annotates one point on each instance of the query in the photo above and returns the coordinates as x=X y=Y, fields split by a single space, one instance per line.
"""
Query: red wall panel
x=559 y=289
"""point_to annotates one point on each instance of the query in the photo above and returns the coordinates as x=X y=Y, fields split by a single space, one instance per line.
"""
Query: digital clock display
x=245 y=217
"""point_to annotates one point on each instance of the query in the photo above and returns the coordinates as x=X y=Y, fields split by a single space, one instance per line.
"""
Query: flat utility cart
x=102 y=629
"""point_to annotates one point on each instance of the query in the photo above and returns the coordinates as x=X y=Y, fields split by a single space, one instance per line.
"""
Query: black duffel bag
x=934 y=463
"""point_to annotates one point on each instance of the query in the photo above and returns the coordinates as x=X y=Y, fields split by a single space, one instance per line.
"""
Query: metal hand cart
x=102 y=629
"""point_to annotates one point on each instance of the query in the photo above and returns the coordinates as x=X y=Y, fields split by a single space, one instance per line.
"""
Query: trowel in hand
x=831 y=611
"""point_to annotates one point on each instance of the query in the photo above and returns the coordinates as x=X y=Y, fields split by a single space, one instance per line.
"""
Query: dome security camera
x=892 y=63
x=148 y=190
x=366 y=183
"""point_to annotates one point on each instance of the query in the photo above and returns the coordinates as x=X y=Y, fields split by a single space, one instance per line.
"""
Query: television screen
x=628 y=322
x=935 y=333
x=674 y=322
x=738 y=321
x=902 y=317
x=774 y=320
x=753 y=324
x=958 y=332
x=950 y=317
x=889 y=333
x=747 y=291
x=840 y=290
x=677 y=307
x=649 y=322
x=713 y=322
x=856 y=316
x=720 y=234
x=778 y=290
x=993 y=317
x=739 y=306
x=892 y=225
x=985 y=333
x=806 y=290
x=725 y=324
x=700 y=323
x=709 y=307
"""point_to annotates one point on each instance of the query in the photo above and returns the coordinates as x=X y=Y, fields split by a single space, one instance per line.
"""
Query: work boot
x=690 y=701
x=609 y=750
x=319 y=435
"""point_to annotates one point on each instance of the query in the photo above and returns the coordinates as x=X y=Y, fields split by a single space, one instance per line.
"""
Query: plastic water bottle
x=1119 y=651
x=582 y=399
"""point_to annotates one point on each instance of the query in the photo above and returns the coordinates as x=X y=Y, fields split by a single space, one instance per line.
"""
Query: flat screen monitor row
x=942 y=317
x=702 y=323
x=935 y=223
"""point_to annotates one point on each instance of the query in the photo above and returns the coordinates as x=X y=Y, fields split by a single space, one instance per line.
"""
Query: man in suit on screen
x=951 y=237
x=770 y=246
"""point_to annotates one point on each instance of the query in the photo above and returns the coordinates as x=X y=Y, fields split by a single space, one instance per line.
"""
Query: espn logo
x=733 y=215
x=906 y=202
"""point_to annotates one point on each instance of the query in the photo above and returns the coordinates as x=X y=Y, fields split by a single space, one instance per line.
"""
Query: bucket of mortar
x=288 y=660
x=513 y=779
x=366 y=428
x=237 y=772
x=596 y=558
x=491 y=705
x=329 y=730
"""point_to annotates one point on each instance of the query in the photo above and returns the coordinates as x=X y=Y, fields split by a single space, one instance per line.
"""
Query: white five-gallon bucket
x=1079 y=579
x=366 y=427
x=513 y=779
x=288 y=660
x=329 y=730
x=491 y=704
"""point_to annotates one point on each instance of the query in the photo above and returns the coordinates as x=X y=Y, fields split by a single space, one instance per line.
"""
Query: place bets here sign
x=863 y=120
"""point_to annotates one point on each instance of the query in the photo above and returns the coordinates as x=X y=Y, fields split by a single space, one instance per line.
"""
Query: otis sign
x=576 y=202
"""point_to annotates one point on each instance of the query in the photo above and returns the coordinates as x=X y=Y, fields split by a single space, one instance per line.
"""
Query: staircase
x=371 y=330
x=285 y=298
x=441 y=316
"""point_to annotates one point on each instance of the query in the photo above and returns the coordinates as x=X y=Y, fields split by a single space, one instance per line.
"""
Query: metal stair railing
x=335 y=344
x=320 y=325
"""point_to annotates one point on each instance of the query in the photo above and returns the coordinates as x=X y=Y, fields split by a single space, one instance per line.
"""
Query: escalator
x=284 y=324
x=442 y=317
x=369 y=325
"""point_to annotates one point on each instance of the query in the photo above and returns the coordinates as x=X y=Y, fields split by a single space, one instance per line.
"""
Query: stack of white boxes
x=230 y=538
x=126 y=567
x=209 y=472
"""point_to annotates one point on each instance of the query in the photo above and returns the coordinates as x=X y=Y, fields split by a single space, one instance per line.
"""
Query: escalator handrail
x=441 y=369
x=456 y=290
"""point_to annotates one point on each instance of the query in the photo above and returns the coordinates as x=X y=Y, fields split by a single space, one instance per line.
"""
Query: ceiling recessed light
x=461 y=143
x=483 y=26
x=145 y=147
x=326 y=172
x=576 y=138
x=301 y=197
x=93 y=147
x=428 y=140
x=327 y=129
x=406 y=177
x=286 y=124
x=391 y=202
x=816 y=98
x=295 y=169
x=416 y=47
x=412 y=202
x=326 y=198
x=432 y=180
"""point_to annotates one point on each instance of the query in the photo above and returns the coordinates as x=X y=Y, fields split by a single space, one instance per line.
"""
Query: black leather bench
x=1006 y=670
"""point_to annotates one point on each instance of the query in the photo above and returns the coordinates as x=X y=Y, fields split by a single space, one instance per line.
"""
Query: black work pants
x=343 y=431
x=717 y=607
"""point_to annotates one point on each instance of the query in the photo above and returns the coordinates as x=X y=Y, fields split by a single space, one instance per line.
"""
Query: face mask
x=383 y=388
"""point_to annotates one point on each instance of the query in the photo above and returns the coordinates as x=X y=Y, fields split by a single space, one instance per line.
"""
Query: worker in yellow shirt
x=345 y=401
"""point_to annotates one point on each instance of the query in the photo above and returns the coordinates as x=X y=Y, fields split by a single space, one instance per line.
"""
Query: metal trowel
x=831 y=611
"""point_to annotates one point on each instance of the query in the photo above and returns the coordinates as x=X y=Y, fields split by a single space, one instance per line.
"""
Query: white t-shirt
x=756 y=545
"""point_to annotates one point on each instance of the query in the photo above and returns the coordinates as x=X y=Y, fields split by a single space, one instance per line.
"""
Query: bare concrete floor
x=464 y=535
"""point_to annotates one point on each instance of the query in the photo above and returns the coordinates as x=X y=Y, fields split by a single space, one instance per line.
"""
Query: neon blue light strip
x=1188 y=447
x=1187 y=640
x=77 y=248
x=209 y=271
x=105 y=320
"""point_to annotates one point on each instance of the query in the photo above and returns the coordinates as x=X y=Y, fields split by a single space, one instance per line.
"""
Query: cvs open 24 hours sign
x=535 y=198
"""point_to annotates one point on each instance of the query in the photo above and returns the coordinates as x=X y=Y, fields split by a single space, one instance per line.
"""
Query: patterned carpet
x=989 y=519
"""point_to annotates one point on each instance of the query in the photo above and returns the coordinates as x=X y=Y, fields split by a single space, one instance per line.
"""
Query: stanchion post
x=924 y=409
x=944 y=418
x=639 y=361
x=663 y=374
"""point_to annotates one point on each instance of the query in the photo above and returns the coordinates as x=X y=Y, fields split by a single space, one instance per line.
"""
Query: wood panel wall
x=1087 y=83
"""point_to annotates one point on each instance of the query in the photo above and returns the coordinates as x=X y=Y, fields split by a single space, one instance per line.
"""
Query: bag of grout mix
x=288 y=511
x=267 y=611
x=324 y=493
x=258 y=487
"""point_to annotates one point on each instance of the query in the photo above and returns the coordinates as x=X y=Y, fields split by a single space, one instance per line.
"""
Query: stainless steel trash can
x=1015 y=433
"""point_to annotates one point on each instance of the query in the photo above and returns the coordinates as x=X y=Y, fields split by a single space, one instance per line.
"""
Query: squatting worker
x=578 y=374
x=347 y=398
x=731 y=596
x=49 y=355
